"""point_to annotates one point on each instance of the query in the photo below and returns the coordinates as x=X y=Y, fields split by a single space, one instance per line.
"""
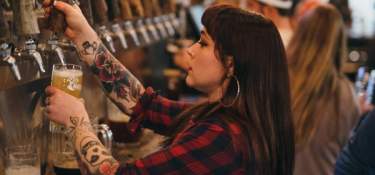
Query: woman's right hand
x=78 y=29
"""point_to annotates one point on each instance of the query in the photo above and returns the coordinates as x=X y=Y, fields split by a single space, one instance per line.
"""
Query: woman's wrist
x=86 y=44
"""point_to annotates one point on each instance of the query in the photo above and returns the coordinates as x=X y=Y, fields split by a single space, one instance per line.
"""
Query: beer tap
x=25 y=18
x=6 y=55
x=26 y=24
x=158 y=20
x=100 y=10
x=127 y=15
x=114 y=14
x=53 y=42
x=147 y=4
x=31 y=49
x=139 y=13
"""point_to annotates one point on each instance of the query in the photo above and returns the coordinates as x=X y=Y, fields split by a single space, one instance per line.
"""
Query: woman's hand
x=61 y=107
x=78 y=29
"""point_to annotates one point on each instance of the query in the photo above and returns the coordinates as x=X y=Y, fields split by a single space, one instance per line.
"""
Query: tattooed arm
x=118 y=82
x=122 y=87
x=70 y=111
x=93 y=155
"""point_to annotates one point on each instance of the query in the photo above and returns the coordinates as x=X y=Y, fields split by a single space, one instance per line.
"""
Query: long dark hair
x=263 y=107
x=315 y=63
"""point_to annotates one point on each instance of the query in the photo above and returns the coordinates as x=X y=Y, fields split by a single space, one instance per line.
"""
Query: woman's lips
x=189 y=69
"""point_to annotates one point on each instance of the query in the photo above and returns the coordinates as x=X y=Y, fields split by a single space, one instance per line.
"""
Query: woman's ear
x=229 y=65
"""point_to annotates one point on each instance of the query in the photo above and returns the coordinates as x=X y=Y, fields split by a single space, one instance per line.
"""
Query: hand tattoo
x=89 y=48
x=78 y=122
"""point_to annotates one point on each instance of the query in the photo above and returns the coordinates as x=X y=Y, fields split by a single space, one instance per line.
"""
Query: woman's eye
x=202 y=43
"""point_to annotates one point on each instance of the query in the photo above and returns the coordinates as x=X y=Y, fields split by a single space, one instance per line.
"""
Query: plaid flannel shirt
x=203 y=147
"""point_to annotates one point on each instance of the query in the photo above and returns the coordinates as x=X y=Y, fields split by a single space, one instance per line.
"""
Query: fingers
x=69 y=33
x=64 y=7
x=50 y=90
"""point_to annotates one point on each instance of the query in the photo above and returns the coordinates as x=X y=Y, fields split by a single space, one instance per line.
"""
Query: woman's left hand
x=62 y=106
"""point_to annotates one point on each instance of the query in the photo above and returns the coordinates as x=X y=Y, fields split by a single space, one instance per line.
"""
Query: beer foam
x=67 y=73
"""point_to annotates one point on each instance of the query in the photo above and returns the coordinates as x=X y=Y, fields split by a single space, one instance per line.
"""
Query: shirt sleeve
x=358 y=156
x=203 y=149
x=155 y=112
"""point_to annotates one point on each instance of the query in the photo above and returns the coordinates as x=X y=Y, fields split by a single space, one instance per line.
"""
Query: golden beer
x=68 y=80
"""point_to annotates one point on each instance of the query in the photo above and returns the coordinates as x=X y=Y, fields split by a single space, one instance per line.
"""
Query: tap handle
x=114 y=11
x=116 y=28
x=4 y=27
x=126 y=11
x=56 y=20
x=100 y=12
x=137 y=7
x=25 y=18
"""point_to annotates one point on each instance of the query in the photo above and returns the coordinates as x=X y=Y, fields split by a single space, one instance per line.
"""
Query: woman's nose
x=189 y=51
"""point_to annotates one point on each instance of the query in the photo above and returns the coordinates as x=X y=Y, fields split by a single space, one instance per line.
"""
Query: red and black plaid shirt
x=203 y=147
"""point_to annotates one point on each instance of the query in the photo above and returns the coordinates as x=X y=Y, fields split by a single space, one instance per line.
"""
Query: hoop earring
x=237 y=94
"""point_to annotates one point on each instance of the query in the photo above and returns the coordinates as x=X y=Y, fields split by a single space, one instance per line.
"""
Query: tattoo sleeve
x=92 y=154
x=119 y=83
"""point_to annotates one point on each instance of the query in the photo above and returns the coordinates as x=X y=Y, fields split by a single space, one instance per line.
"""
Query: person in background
x=244 y=127
x=358 y=155
x=279 y=11
x=324 y=104
x=302 y=8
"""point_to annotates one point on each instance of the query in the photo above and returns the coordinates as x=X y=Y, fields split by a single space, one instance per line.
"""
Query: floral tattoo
x=116 y=79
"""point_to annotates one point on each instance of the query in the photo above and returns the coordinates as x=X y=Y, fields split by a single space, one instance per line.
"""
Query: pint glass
x=68 y=78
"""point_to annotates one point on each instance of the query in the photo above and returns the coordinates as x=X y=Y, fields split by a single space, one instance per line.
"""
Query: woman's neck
x=217 y=93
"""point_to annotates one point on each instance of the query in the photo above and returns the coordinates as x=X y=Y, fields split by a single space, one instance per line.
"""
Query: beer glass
x=22 y=159
x=68 y=78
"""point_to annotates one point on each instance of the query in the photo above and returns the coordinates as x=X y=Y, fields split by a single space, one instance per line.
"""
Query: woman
x=323 y=101
x=243 y=128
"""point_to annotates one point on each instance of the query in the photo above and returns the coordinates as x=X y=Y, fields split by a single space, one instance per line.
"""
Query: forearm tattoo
x=77 y=122
x=92 y=154
x=120 y=84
